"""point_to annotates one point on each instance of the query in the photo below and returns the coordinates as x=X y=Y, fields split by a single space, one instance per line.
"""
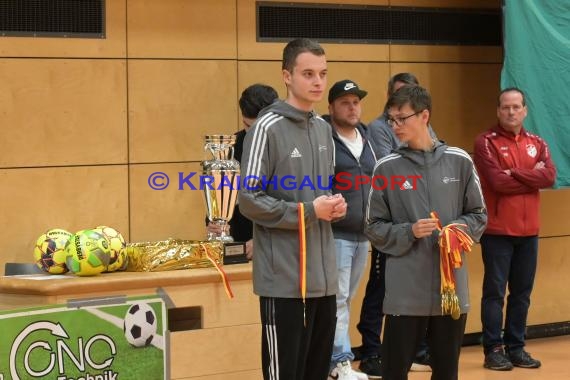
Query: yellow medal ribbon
x=453 y=240
x=302 y=256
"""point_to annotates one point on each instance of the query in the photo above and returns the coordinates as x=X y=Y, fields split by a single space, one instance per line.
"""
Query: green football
x=88 y=253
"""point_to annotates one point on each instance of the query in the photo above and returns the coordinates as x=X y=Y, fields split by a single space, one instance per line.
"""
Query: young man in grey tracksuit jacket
x=287 y=161
x=438 y=178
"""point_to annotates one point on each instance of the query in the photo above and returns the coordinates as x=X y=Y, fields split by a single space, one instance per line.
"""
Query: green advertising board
x=92 y=339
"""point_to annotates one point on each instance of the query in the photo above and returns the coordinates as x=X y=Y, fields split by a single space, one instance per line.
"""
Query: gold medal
x=452 y=241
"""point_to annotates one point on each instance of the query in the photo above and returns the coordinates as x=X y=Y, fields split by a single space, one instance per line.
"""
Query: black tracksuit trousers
x=297 y=340
x=402 y=334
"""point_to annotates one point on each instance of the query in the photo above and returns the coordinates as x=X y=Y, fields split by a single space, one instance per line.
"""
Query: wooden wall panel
x=475 y=263
x=162 y=214
x=548 y=300
x=346 y=52
x=17 y=301
x=372 y=77
x=112 y=46
x=463 y=98
x=435 y=54
x=63 y=112
x=173 y=104
x=74 y=198
x=554 y=209
x=243 y=309
x=182 y=29
x=222 y=343
x=266 y=72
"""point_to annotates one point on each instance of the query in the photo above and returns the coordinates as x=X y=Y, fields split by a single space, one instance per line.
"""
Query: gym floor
x=554 y=353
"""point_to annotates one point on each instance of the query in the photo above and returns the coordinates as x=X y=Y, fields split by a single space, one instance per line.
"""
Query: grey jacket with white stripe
x=294 y=149
x=447 y=183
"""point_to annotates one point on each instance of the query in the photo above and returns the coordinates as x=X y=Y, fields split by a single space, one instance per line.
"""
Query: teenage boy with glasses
x=399 y=224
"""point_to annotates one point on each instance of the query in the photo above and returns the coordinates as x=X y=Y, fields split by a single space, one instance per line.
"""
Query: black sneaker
x=523 y=359
x=497 y=360
x=372 y=367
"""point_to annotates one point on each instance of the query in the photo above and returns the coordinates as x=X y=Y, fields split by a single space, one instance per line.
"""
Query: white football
x=140 y=325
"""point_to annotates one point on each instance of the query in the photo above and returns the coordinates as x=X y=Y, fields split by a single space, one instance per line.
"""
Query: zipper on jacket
x=315 y=159
x=315 y=164
x=524 y=196
x=433 y=277
x=427 y=183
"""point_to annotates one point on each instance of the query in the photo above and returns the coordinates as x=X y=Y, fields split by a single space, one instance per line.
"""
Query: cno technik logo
x=36 y=364
x=89 y=343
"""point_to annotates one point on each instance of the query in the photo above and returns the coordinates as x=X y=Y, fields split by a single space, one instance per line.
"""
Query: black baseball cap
x=344 y=87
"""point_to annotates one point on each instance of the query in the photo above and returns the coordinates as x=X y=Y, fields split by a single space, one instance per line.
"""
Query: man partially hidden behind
x=514 y=164
x=252 y=100
x=354 y=160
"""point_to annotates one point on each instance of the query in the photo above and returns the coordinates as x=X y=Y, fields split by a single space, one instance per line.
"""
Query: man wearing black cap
x=354 y=162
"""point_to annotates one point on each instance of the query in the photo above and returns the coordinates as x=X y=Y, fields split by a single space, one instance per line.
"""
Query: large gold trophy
x=220 y=183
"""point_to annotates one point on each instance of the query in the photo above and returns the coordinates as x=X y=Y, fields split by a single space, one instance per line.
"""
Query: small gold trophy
x=221 y=185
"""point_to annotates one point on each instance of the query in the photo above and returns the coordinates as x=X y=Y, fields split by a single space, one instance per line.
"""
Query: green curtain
x=537 y=60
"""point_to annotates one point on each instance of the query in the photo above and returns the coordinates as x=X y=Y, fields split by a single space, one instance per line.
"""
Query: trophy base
x=220 y=238
x=234 y=253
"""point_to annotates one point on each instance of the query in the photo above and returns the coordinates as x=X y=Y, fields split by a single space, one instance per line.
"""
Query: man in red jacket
x=513 y=165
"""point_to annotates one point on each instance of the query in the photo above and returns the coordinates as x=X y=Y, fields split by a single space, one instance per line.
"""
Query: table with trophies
x=209 y=333
x=213 y=315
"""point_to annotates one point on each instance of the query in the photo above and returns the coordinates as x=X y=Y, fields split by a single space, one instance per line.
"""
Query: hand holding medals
x=452 y=241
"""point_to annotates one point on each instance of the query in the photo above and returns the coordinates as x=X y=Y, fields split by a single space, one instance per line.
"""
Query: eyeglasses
x=400 y=120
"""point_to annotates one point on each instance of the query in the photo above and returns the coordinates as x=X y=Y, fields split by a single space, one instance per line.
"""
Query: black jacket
x=351 y=227
x=241 y=228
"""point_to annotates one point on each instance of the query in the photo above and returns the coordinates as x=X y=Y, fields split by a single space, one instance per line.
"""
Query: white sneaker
x=360 y=375
x=344 y=371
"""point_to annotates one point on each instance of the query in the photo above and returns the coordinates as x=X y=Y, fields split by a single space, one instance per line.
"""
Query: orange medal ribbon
x=302 y=255
x=223 y=275
x=452 y=241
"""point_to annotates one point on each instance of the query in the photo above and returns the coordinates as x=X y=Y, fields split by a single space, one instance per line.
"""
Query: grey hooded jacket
x=293 y=153
x=446 y=182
